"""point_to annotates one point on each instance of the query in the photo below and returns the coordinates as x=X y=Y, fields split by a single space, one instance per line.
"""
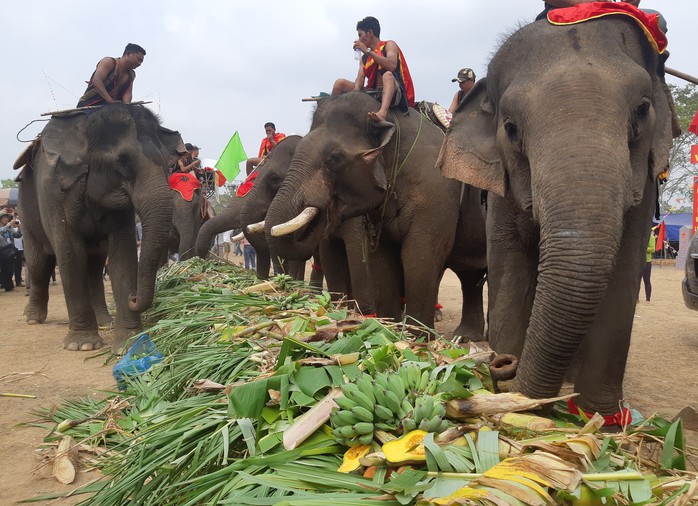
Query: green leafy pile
x=248 y=363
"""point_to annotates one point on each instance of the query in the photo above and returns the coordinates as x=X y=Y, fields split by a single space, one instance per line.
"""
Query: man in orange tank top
x=382 y=67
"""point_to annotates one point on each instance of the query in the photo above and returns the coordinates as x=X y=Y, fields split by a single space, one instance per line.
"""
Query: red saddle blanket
x=185 y=184
x=594 y=10
x=245 y=187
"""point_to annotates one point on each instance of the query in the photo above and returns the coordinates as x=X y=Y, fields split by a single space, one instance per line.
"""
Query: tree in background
x=676 y=195
x=8 y=183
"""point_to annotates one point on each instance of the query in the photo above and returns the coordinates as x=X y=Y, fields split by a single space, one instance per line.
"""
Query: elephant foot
x=82 y=340
x=465 y=333
x=104 y=320
x=35 y=314
x=119 y=339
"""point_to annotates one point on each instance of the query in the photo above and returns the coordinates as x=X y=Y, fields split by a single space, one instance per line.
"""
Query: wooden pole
x=681 y=75
x=86 y=108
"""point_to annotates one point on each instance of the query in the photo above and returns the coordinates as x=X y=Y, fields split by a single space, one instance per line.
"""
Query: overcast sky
x=214 y=67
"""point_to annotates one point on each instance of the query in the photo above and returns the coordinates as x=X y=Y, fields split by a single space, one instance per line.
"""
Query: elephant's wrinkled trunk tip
x=300 y=221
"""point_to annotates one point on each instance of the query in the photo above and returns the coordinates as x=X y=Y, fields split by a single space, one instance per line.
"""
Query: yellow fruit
x=406 y=449
x=350 y=461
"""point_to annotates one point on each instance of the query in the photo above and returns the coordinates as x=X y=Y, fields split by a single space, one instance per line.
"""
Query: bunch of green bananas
x=401 y=402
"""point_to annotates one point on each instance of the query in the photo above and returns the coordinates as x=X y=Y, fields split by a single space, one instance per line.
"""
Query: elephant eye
x=511 y=130
x=643 y=108
x=335 y=160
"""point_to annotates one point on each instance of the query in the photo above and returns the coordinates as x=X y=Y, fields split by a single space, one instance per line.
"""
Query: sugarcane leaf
x=460 y=458
x=674 y=441
x=270 y=441
x=442 y=487
x=351 y=344
x=352 y=371
x=487 y=449
x=311 y=379
x=247 y=400
x=640 y=490
x=249 y=434
x=300 y=399
x=336 y=374
x=436 y=458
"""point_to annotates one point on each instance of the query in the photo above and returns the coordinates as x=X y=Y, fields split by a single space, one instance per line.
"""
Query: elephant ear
x=469 y=151
x=373 y=158
x=27 y=156
x=662 y=140
x=64 y=144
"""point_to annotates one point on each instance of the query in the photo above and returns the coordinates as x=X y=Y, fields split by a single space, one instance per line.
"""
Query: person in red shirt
x=382 y=67
x=268 y=143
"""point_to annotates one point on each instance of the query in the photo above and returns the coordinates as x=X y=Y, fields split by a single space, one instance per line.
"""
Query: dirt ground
x=660 y=375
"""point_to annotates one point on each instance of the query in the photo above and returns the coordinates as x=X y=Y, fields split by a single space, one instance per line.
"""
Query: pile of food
x=270 y=393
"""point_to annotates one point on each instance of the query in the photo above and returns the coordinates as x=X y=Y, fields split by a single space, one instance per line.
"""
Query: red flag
x=694 y=154
x=693 y=127
x=695 y=204
x=660 y=237
x=220 y=178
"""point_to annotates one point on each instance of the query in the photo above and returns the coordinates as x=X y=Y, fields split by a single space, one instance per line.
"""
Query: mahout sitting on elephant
x=350 y=166
x=568 y=132
x=84 y=178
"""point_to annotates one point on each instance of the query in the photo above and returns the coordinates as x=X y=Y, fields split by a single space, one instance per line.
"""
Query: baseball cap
x=464 y=75
x=191 y=147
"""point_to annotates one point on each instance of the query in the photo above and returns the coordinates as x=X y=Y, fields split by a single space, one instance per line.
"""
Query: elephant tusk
x=237 y=238
x=256 y=228
x=296 y=223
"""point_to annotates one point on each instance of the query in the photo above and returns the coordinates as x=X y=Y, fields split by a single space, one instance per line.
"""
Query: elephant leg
x=386 y=276
x=83 y=333
x=472 y=323
x=296 y=269
x=40 y=266
x=95 y=268
x=512 y=263
x=422 y=276
x=599 y=379
x=316 y=273
x=361 y=284
x=123 y=268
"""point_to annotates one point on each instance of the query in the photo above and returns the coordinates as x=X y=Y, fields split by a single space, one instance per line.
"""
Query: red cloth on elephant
x=185 y=184
x=245 y=187
x=594 y=10
x=403 y=75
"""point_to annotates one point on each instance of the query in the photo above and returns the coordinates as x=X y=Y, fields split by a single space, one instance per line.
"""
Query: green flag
x=229 y=161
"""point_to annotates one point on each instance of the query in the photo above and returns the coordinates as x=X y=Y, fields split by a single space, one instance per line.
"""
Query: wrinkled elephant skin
x=382 y=174
x=568 y=131
x=83 y=181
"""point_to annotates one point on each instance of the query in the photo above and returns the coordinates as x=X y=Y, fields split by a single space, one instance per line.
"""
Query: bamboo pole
x=681 y=75
x=65 y=464
x=86 y=108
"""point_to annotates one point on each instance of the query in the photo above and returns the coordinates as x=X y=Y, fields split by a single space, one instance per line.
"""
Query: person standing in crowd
x=7 y=260
x=647 y=269
x=466 y=81
x=19 y=257
x=112 y=80
x=250 y=254
x=382 y=67
x=268 y=143
x=237 y=249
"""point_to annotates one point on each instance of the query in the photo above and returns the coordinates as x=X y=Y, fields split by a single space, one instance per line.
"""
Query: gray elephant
x=190 y=210
x=84 y=178
x=348 y=167
x=568 y=132
x=250 y=208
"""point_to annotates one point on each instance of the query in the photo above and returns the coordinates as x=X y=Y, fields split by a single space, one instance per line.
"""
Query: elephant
x=568 y=133
x=188 y=216
x=84 y=178
x=383 y=174
x=251 y=208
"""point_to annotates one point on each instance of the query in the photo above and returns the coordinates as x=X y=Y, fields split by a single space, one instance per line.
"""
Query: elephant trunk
x=580 y=237
x=229 y=219
x=154 y=206
x=292 y=199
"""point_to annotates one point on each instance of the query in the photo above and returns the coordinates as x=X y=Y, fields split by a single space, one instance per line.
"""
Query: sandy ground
x=660 y=376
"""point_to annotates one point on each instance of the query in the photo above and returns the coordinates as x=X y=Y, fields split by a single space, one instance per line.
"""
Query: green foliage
x=676 y=194
x=8 y=183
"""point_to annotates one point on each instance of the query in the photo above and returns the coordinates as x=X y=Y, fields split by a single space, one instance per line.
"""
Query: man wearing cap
x=187 y=162
x=466 y=80
x=268 y=143
x=382 y=67
x=112 y=80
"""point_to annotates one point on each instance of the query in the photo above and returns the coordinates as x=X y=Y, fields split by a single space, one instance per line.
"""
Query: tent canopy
x=8 y=196
x=673 y=223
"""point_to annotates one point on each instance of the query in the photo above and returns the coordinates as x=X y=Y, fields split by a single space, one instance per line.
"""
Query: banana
x=405 y=376
x=428 y=406
x=362 y=400
x=408 y=425
x=407 y=408
x=383 y=413
x=349 y=389
x=346 y=431
x=363 y=428
x=444 y=425
x=384 y=426
x=345 y=403
x=420 y=412
x=392 y=402
x=424 y=425
x=381 y=381
x=343 y=417
x=379 y=394
x=365 y=384
x=396 y=386
x=362 y=414
x=439 y=410
x=434 y=424
x=414 y=373
x=423 y=381
x=366 y=440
